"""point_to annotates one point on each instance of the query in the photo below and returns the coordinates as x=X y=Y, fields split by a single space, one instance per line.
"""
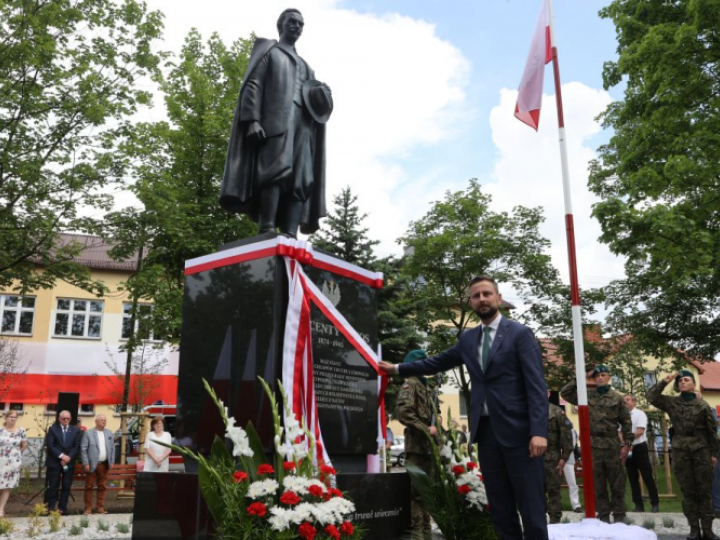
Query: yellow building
x=70 y=340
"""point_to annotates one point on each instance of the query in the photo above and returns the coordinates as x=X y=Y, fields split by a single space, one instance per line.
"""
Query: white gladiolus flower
x=261 y=488
x=446 y=451
x=240 y=440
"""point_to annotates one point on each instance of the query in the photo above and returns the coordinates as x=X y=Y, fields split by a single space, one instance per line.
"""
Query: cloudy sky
x=424 y=93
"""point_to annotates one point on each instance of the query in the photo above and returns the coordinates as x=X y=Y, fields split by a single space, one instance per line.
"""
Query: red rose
x=315 y=491
x=289 y=466
x=458 y=470
x=265 y=469
x=332 y=532
x=464 y=489
x=471 y=465
x=257 y=509
x=307 y=531
x=325 y=469
x=240 y=476
x=347 y=528
x=336 y=492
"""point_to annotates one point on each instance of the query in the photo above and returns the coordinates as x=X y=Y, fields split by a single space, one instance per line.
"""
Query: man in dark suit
x=63 y=444
x=509 y=411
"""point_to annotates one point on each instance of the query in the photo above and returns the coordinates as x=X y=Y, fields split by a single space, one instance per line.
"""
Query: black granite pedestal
x=233 y=328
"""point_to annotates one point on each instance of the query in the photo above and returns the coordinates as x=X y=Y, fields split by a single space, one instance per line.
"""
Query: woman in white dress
x=158 y=456
x=13 y=442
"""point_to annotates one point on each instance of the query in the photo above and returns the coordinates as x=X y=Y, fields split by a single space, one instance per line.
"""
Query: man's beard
x=487 y=313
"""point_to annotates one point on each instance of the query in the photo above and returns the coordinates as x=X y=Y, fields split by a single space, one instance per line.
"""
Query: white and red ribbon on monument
x=297 y=361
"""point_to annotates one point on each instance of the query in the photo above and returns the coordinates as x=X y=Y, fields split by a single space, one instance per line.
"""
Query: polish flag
x=527 y=109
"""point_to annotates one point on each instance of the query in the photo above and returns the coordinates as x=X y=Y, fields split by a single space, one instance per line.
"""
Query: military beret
x=682 y=373
x=600 y=368
x=419 y=354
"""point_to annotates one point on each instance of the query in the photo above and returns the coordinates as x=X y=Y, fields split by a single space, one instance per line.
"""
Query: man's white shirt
x=101 y=445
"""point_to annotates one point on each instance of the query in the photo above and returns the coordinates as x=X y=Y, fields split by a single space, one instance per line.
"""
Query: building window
x=51 y=408
x=650 y=379
x=463 y=404
x=617 y=382
x=19 y=407
x=17 y=314
x=78 y=318
x=143 y=322
x=87 y=408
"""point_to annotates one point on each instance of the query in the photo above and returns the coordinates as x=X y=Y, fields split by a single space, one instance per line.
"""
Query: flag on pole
x=527 y=109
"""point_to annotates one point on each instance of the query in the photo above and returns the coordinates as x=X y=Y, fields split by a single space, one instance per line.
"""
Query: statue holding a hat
x=275 y=164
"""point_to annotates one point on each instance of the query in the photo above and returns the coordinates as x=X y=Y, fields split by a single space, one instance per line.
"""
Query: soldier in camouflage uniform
x=414 y=410
x=607 y=412
x=694 y=447
x=559 y=448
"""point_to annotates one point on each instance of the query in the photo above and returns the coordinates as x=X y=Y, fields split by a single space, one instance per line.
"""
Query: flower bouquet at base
x=287 y=499
x=454 y=493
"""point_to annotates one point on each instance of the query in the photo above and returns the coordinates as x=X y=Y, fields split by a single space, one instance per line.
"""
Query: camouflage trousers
x=553 y=484
x=694 y=473
x=609 y=471
x=419 y=518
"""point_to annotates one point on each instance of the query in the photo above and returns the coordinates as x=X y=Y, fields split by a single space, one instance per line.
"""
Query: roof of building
x=710 y=377
x=95 y=253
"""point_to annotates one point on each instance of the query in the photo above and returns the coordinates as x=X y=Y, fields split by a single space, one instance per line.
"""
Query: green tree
x=459 y=238
x=69 y=74
x=658 y=176
x=177 y=171
x=342 y=234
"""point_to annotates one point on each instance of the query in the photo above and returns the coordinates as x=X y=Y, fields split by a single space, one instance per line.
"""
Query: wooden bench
x=128 y=473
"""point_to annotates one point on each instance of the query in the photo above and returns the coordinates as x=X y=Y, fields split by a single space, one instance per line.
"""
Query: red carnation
x=347 y=528
x=471 y=465
x=458 y=470
x=332 y=532
x=464 y=489
x=257 y=509
x=336 y=492
x=289 y=497
x=326 y=496
x=307 y=531
x=289 y=466
x=315 y=491
x=325 y=469
x=265 y=469
x=240 y=476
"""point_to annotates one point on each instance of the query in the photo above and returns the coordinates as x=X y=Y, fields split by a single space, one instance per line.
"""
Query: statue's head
x=290 y=25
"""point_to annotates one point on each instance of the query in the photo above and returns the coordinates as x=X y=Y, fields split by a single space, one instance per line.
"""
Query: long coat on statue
x=266 y=96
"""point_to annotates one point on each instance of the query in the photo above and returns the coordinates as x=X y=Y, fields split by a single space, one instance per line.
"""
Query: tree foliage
x=69 y=72
x=459 y=238
x=177 y=171
x=659 y=176
x=342 y=233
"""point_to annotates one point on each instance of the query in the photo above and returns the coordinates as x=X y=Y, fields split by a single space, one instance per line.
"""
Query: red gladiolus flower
x=336 y=492
x=471 y=465
x=240 y=476
x=464 y=489
x=289 y=466
x=315 y=491
x=290 y=498
x=265 y=469
x=307 y=531
x=347 y=528
x=257 y=509
x=332 y=532
x=325 y=469
x=458 y=470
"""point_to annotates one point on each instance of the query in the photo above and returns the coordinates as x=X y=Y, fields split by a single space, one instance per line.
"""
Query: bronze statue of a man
x=275 y=165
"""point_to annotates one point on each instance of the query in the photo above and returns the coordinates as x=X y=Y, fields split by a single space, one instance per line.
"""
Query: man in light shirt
x=638 y=462
x=97 y=451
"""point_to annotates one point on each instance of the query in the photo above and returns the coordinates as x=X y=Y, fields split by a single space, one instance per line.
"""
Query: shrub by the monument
x=454 y=493
x=291 y=498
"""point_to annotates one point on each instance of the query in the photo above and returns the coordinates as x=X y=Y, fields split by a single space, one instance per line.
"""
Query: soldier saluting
x=694 y=448
x=607 y=412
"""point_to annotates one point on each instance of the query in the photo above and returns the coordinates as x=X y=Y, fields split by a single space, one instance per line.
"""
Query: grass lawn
x=666 y=504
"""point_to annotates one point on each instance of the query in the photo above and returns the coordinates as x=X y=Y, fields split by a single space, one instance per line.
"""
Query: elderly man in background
x=63 y=444
x=638 y=461
x=97 y=452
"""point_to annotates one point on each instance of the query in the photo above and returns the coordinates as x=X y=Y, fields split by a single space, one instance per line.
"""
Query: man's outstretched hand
x=538 y=445
x=387 y=367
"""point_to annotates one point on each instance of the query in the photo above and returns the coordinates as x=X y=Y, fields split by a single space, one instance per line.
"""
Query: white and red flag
x=527 y=109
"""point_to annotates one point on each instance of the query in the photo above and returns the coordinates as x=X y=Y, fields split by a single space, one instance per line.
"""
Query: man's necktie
x=485 y=354
x=65 y=431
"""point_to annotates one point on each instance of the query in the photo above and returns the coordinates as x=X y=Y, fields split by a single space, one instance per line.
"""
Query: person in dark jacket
x=63 y=446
